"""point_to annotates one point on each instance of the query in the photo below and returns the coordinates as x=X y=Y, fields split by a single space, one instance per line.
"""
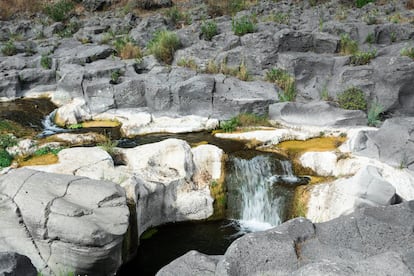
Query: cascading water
x=256 y=199
x=49 y=127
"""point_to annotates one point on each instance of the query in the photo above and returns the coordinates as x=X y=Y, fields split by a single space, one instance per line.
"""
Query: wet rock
x=14 y=264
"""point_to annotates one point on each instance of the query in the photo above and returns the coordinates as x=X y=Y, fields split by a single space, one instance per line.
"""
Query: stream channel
x=260 y=188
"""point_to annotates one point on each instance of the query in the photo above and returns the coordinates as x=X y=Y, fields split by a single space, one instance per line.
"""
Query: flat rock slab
x=370 y=241
x=315 y=114
x=63 y=222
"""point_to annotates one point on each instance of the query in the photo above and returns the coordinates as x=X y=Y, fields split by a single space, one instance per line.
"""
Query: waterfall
x=49 y=127
x=253 y=188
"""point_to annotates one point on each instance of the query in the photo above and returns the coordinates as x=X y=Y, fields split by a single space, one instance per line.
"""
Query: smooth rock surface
x=63 y=222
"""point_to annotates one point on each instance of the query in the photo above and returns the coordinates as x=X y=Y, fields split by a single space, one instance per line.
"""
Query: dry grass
x=130 y=51
x=10 y=7
x=410 y=4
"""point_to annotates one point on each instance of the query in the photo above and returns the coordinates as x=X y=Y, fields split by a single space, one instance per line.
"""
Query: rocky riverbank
x=313 y=68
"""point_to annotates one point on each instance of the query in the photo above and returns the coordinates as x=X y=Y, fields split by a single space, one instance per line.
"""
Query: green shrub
x=9 y=49
x=243 y=25
x=5 y=158
x=209 y=29
x=46 y=61
x=163 y=46
x=362 y=58
x=229 y=125
x=279 y=18
x=59 y=11
x=285 y=81
x=69 y=30
x=352 y=98
x=408 y=52
x=361 y=3
x=374 y=113
x=75 y=126
x=109 y=146
x=126 y=48
x=7 y=140
x=347 y=45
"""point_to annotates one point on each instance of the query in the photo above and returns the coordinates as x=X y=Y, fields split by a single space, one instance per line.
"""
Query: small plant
x=47 y=150
x=115 y=75
x=362 y=58
x=393 y=37
x=229 y=125
x=395 y=18
x=242 y=73
x=5 y=158
x=243 y=25
x=163 y=46
x=75 y=126
x=107 y=37
x=280 y=18
x=353 y=98
x=212 y=67
x=59 y=11
x=9 y=49
x=109 y=146
x=209 y=29
x=408 y=52
x=370 y=39
x=69 y=30
x=177 y=17
x=371 y=17
x=127 y=49
x=285 y=81
x=46 y=61
x=189 y=63
x=324 y=94
x=374 y=113
x=231 y=7
x=341 y=13
x=347 y=45
x=361 y=3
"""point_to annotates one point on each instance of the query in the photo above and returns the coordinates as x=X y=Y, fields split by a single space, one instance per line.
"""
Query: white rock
x=208 y=161
x=269 y=136
x=323 y=163
x=343 y=196
x=74 y=112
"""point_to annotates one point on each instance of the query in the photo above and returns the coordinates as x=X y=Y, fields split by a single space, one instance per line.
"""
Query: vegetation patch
x=222 y=7
x=163 y=46
x=353 y=98
x=300 y=201
x=188 y=63
x=177 y=17
x=103 y=123
x=374 y=113
x=59 y=11
x=149 y=233
x=361 y=3
x=5 y=158
x=46 y=61
x=348 y=46
x=243 y=25
x=408 y=52
x=363 y=58
x=284 y=81
x=9 y=49
x=209 y=29
x=39 y=160
x=126 y=48
x=244 y=120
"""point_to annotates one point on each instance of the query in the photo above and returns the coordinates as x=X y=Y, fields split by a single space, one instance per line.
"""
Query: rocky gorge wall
x=373 y=168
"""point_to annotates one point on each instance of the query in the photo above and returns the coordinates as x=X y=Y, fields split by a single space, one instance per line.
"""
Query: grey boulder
x=63 y=222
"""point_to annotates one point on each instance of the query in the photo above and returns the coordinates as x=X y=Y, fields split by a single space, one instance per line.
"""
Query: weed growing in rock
x=374 y=113
x=46 y=61
x=370 y=39
x=347 y=45
x=362 y=58
x=109 y=147
x=408 y=52
x=47 y=150
x=115 y=75
x=229 y=125
x=239 y=72
x=59 y=11
x=243 y=73
x=188 y=63
x=177 y=17
x=361 y=3
x=212 y=67
x=209 y=29
x=69 y=30
x=324 y=94
x=75 y=126
x=393 y=37
x=9 y=49
x=371 y=17
x=127 y=49
x=222 y=7
x=279 y=18
x=353 y=98
x=285 y=81
x=243 y=25
x=7 y=140
x=163 y=46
